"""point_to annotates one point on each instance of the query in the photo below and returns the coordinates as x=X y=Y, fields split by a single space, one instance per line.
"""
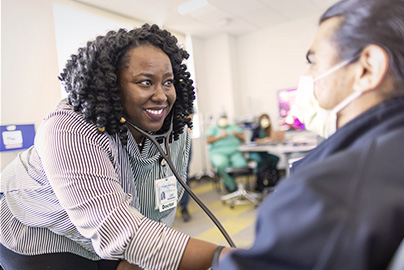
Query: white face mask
x=264 y=123
x=315 y=118
x=222 y=122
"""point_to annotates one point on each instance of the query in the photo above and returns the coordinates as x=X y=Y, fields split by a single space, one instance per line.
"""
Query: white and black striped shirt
x=82 y=192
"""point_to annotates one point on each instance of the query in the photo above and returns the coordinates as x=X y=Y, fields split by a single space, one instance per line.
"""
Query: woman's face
x=265 y=122
x=147 y=87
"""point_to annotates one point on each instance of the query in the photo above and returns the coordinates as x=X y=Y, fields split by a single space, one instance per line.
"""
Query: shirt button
x=163 y=162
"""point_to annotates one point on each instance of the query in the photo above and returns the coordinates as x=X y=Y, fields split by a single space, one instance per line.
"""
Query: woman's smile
x=156 y=113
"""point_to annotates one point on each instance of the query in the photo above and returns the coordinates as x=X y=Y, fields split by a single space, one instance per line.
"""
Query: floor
x=238 y=221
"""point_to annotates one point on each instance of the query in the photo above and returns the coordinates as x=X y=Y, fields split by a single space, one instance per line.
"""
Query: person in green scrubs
x=224 y=140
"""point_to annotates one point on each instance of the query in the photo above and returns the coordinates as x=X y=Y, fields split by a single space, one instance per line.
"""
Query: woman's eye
x=168 y=82
x=145 y=83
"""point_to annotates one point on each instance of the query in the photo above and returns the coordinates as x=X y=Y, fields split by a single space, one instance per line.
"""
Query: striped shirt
x=82 y=192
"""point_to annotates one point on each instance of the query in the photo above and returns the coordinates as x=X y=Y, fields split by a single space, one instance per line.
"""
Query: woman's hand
x=263 y=140
x=125 y=265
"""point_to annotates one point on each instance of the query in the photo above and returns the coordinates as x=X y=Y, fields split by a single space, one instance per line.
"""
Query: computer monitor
x=287 y=110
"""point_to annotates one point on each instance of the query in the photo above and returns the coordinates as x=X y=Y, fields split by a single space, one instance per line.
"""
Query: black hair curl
x=91 y=79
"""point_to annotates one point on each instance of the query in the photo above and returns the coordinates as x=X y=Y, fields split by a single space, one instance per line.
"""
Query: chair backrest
x=397 y=263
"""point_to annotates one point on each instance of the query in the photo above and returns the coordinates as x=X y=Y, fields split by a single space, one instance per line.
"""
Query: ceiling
x=235 y=17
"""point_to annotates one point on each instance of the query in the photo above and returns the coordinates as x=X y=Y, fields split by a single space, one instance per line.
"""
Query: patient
x=343 y=205
x=224 y=140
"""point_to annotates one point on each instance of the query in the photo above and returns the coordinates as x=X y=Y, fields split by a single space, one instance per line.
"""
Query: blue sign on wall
x=16 y=137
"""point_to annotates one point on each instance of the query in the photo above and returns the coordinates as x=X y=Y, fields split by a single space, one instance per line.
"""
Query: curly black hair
x=91 y=79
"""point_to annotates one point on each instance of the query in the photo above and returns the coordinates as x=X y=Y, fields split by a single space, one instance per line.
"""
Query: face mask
x=222 y=122
x=315 y=118
x=264 y=123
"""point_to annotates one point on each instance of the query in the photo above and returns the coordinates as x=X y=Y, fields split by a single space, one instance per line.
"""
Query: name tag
x=166 y=193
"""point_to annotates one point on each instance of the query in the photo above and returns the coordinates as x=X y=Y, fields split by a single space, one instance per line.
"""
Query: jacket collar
x=376 y=121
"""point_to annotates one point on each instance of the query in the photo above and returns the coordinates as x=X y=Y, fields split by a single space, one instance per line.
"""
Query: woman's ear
x=372 y=67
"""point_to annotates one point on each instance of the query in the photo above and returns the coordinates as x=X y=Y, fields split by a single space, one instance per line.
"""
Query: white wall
x=29 y=85
x=214 y=69
x=270 y=60
x=88 y=23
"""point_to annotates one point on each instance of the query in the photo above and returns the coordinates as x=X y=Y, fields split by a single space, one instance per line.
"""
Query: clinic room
x=202 y=134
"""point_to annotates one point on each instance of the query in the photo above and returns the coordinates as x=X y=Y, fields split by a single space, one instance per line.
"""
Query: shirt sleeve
x=80 y=168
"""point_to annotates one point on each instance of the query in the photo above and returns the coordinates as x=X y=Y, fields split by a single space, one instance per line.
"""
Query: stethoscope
x=167 y=158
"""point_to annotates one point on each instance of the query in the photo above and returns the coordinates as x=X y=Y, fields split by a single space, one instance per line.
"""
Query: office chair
x=241 y=195
x=397 y=263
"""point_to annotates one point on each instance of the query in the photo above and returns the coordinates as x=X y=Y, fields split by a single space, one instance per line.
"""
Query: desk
x=279 y=149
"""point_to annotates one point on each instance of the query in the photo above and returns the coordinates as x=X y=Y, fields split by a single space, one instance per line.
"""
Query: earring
x=101 y=129
x=123 y=120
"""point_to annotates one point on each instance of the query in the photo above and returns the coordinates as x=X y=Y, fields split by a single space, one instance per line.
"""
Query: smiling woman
x=147 y=88
x=89 y=193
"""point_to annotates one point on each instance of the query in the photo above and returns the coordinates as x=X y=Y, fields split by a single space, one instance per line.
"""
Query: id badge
x=166 y=193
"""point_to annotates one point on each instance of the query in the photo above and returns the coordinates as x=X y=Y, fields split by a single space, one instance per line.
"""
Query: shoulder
x=211 y=131
x=65 y=123
x=236 y=128
x=183 y=141
x=360 y=166
x=256 y=129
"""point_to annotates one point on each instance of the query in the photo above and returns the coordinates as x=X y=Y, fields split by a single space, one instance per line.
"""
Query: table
x=280 y=149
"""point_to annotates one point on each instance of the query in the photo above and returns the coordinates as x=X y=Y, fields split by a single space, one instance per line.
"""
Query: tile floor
x=239 y=222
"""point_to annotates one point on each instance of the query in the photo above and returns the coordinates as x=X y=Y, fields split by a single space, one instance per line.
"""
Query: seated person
x=266 y=163
x=224 y=140
x=342 y=207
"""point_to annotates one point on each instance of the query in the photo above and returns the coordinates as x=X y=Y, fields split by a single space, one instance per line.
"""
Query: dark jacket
x=343 y=205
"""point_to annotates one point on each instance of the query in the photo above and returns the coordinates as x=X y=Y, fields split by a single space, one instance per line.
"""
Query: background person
x=266 y=163
x=262 y=132
x=84 y=196
x=343 y=205
x=224 y=140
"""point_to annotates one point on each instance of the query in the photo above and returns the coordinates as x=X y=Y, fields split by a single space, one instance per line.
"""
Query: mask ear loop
x=354 y=95
x=333 y=69
x=167 y=156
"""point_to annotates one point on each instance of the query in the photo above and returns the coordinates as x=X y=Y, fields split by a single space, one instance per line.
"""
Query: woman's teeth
x=155 y=111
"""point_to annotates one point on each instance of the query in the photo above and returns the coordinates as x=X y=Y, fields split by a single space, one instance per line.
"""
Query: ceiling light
x=191 y=5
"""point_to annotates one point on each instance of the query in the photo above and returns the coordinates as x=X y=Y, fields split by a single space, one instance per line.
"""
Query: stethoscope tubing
x=167 y=158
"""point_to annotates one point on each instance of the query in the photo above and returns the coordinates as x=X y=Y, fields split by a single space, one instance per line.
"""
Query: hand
x=224 y=135
x=263 y=140
x=125 y=265
x=240 y=136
